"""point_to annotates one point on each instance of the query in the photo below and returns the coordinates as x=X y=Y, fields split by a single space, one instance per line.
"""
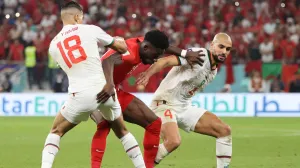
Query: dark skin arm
x=191 y=56
x=108 y=65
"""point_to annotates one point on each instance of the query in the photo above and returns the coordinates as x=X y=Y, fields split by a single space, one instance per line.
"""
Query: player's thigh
x=137 y=112
x=210 y=124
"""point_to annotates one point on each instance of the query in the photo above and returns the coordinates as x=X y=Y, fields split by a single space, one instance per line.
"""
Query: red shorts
x=124 y=98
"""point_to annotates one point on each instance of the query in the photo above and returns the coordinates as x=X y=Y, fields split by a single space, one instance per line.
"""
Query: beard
x=221 y=58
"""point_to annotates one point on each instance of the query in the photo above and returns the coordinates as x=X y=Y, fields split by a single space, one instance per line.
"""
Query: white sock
x=133 y=150
x=224 y=151
x=50 y=150
x=161 y=153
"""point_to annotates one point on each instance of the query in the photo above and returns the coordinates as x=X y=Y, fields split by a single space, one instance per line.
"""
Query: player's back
x=75 y=50
x=181 y=83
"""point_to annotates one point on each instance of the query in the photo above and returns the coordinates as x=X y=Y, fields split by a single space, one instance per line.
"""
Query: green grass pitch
x=257 y=143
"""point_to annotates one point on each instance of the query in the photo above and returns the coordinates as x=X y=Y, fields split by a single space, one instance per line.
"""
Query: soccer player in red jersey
x=140 y=50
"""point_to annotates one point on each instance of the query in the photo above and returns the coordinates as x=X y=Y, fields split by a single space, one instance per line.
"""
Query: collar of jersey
x=209 y=57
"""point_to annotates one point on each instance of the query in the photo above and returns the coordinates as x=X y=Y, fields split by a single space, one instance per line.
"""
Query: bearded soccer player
x=140 y=50
x=172 y=100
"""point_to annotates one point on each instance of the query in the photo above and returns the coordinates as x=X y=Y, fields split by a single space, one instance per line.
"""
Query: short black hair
x=157 y=38
x=72 y=4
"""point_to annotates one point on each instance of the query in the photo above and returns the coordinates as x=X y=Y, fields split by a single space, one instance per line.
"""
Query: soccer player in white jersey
x=172 y=100
x=75 y=49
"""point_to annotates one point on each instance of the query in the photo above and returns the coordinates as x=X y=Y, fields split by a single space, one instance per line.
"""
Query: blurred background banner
x=222 y=104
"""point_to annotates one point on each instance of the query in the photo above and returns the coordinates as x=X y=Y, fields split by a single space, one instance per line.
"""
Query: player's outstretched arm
x=118 y=45
x=108 y=69
x=158 y=66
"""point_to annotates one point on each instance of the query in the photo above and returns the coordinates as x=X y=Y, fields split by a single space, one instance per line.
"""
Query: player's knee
x=225 y=131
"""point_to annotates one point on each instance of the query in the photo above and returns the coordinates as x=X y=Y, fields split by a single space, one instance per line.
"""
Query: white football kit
x=75 y=49
x=172 y=100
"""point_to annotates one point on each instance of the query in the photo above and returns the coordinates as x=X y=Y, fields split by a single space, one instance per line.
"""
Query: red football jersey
x=130 y=59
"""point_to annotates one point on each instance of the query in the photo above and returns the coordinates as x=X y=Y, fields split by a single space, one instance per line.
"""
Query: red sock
x=151 y=142
x=99 y=144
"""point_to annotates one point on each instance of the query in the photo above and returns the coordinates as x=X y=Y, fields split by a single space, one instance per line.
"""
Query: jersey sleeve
x=101 y=36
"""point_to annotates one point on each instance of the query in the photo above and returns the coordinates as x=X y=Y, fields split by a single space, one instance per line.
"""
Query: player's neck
x=69 y=23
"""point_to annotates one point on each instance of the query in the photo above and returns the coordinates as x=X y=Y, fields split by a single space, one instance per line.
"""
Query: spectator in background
x=295 y=37
x=192 y=43
x=253 y=50
x=226 y=88
x=288 y=48
x=267 y=50
x=29 y=35
x=58 y=86
x=6 y=84
x=10 y=6
x=278 y=50
x=52 y=71
x=3 y=53
x=270 y=26
x=256 y=83
x=16 y=52
x=295 y=84
x=30 y=63
x=15 y=33
x=277 y=85
x=291 y=27
x=48 y=20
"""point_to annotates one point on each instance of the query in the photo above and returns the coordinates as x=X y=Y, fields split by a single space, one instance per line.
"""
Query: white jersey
x=75 y=49
x=181 y=83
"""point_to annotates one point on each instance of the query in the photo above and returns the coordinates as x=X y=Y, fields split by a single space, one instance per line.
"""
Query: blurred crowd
x=266 y=30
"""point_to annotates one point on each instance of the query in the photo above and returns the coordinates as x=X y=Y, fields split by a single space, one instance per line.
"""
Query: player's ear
x=77 y=18
x=145 y=46
x=212 y=45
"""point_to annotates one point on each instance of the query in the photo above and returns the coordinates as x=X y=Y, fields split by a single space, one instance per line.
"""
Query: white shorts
x=185 y=117
x=80 y=105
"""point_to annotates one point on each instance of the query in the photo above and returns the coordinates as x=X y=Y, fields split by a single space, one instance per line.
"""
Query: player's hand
x=121 y=41
x=193 y=57
x=143 y=79
x=107 y=92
